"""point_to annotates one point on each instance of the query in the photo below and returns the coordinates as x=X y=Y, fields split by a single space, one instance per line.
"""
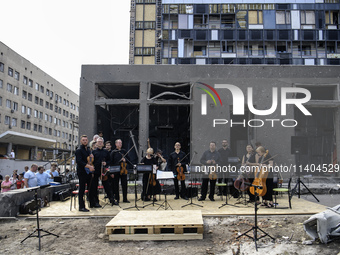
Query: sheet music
x=163 y=175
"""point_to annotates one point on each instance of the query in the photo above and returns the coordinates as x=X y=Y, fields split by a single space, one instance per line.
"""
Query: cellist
x=248 y=160
x=177 y=162
x=151 y=185
x=265 y=159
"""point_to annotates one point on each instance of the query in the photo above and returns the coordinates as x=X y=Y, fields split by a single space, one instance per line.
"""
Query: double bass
x=261 y=175
x=242 y=179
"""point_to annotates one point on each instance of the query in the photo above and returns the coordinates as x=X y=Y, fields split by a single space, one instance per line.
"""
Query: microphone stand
x=191 y=203
x=255 y=228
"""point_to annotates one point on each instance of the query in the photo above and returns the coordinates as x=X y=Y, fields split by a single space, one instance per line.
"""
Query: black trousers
x=123 y=182
x=93 y=192
x=108 y=189
x=183 y=189
x=84 y=179
x=205 y=188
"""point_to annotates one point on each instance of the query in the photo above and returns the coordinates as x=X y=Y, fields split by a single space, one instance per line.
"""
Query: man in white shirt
x=43 y=178
x=30 y=179
x=53 y=172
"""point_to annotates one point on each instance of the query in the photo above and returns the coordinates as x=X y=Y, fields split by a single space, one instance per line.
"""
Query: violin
x=212 y=174
x=260 y=179
x=90 y=160
x=104 y=173
x=180 y=172
x=123 y=164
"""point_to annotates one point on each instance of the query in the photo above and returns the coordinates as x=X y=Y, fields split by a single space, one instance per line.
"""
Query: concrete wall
x=261 y=78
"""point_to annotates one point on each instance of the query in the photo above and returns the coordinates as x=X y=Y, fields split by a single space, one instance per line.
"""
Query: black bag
x=29 y=207
x=192 y=192
x=61 y=195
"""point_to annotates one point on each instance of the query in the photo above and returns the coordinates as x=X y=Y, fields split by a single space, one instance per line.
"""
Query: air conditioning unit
x=9 y=126
x=28 y=116
x=12 y=111
x=56 y=101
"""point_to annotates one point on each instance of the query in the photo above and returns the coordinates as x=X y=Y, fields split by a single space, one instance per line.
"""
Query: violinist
x=265 y=157
x=119 y=157
x=225 y=153
x=177 y=164
x=82 y=153
x=248 y=160
x=101 y=161
x=210 y=157
x=151 y=185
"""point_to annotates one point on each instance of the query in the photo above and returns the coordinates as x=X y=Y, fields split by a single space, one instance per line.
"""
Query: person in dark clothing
x=82 y=153
x=225 y=153
x=151 y=185
x=119 y=157
x=210 y=158
x=109 y=182
x=178 y=159
x=101 y=159
x=248 y=162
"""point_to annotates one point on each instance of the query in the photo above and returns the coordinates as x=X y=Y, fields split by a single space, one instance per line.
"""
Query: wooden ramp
x=156 y=225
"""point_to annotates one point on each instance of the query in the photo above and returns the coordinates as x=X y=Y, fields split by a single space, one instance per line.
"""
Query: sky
x=58 y=36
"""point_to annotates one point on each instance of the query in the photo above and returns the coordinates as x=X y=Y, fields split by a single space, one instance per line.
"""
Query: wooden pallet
x=156 y=225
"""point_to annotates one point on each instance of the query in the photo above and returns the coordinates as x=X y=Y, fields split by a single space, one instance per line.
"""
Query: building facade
x=284 y=32
x=38 y=115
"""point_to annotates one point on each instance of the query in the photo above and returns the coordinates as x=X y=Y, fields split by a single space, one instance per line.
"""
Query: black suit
x=173 y=160
x=81 y=159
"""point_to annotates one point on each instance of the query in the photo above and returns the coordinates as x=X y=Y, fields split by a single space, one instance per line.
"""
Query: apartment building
x=283 y=32
x=38 y=114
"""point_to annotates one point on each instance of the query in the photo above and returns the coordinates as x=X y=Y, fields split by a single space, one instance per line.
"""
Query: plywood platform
x=156 y=225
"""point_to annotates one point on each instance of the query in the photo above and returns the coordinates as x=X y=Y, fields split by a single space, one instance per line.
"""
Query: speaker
x=299 y=144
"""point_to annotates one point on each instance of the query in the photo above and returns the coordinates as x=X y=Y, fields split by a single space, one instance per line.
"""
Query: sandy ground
x=86 y=236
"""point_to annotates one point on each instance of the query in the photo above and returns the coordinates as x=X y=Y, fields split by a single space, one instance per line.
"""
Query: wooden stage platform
x=209 y=208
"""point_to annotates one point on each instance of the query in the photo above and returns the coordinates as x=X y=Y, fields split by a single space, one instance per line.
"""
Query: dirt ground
x=86 y=236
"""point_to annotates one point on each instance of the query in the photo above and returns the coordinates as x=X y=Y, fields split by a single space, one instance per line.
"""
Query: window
x=9 y=87
x=1 y=83
x=255 y=17
x=282 y=17
x=16 y=91
x=60 y=99
x=59 y=122
x=29 y=111
x=37 y=86
x=42 y=89
x=50 y=131
x=59 y=110
x=67 y=103
x=35 y=127
x=55 y=132
x=56 y=109
x=58 y=133
x=30 y=83
x=47 y=92
x=51 y=118
x=36 y=100
x=28 y=125
x=10 y=71
x=41 y=102
x=305 y=50
x=29 y=97
x=46 y=131
x=64 y=112
x=0 y=101
x=14 y=122
x=8 y=103
x=23 y=124
x=46 y=117
x=307 y=17
x=41 y=115
x=36 y=114
x=51 y=94
x=15 y=106
x=47 y=105
x=64 y=102
x=24 y=94
x=7 y=120
x=63 y=123
x=248 y=50
x=332 y=17
x=25 y=80
x=2 y=67
x=55 y=120
x=16 y=75
x=40 y=129
x=23 y=109
x=51 y=107
x=262 y=51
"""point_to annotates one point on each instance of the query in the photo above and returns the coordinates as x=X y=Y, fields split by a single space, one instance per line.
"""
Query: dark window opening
x=320 y=92
x=118 y=91
x=170 y=91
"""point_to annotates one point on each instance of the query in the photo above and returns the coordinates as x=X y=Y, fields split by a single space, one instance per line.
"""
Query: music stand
x=113 y=170
x=135 y=172
x=165 y=175
x=191 y=169
x=152 y=174
x=37 y=207
x=255 y=228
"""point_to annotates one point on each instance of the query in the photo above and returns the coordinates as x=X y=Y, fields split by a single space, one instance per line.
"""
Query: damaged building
x=198 y=104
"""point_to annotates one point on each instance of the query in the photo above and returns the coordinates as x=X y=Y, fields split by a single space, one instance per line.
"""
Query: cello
x=260 y=179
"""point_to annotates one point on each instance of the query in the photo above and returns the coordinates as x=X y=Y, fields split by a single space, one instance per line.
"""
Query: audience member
x=6 y=184
x=20 y=181
x=43 y=178
x=53 y=172
x=30 y=179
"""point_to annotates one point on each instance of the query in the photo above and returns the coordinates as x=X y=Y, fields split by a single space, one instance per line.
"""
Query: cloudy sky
x=58 y=36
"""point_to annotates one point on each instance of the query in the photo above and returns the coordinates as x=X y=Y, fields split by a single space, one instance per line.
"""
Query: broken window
x=170 y=91
x=118 y=91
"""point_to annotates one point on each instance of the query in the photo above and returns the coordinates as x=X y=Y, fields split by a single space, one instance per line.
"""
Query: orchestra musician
x=177 y=161
x=119 y=157
x=151 y=185
x=210 y=157
x=82 y=154
x=268 y=197
x=225 y=153
x=101 y=160
x=248 y=160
